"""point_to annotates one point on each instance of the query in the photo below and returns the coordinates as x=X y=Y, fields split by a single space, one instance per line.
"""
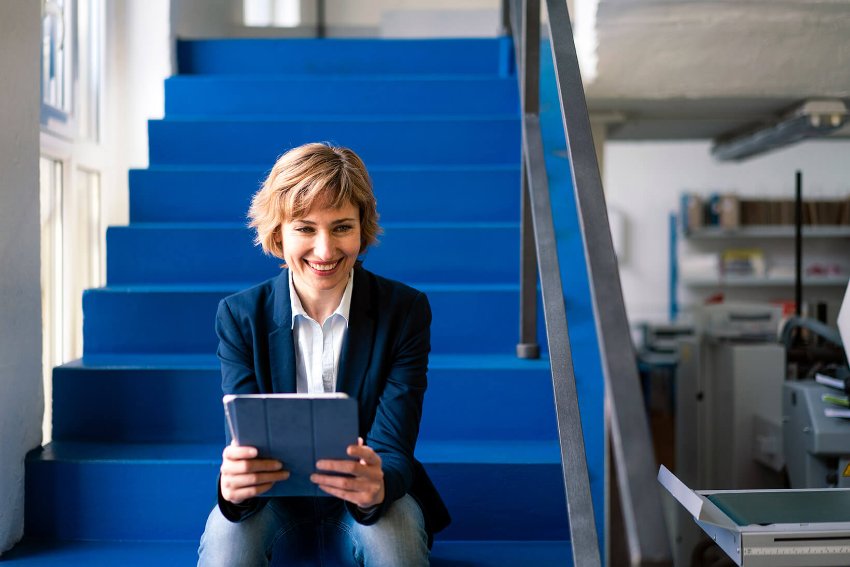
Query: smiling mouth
x=327 y=267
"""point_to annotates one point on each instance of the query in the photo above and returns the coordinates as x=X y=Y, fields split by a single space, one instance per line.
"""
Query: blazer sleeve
x=396 y=425
x=237 y=377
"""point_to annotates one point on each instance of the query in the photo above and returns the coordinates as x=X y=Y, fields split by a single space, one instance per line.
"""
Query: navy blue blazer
x=383 y=364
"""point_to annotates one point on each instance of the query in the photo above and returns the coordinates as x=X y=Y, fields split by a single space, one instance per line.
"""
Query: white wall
x=643 y=182
x=21 y=397
x=138 y=60
x=344 y=18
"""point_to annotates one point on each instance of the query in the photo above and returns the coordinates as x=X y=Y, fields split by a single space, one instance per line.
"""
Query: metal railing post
x=646 y=535
x=528 y=347
x=529 y=69
x=536 y=203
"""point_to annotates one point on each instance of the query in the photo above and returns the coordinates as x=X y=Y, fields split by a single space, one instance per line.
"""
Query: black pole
x=321 y=30
x=798 y=244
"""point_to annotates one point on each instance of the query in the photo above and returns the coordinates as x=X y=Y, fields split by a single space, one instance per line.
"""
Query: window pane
x=55 y=62
x=90 y=29
x=82 y=240
x=51 y=276
x=287 y=13
x=257 y=13
x=272 y=13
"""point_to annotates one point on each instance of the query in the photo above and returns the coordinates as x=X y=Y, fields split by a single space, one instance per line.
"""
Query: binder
x=296 y=429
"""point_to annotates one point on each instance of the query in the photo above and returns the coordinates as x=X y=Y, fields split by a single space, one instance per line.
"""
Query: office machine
x=808 y=525
x=817 y=446
x=771 y=528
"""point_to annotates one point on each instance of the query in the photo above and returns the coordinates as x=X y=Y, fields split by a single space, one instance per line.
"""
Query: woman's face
x=321 y=249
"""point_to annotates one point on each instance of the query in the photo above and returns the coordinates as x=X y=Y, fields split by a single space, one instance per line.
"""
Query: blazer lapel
x=357 y=348
x=281 y=347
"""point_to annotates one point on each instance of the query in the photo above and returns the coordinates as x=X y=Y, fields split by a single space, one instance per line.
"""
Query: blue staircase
x=138 y=426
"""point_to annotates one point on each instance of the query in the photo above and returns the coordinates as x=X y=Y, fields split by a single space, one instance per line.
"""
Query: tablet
x=296 y=429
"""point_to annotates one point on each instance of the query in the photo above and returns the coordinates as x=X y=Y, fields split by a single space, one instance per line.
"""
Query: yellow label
x=846 y=470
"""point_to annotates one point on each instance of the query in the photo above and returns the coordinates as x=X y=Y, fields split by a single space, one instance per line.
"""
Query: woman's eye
x=343 y=228
x=304 y=229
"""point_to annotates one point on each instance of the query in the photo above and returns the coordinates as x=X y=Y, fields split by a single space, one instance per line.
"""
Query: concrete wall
x=643 y=182
x=21 y=397
x=746 y=49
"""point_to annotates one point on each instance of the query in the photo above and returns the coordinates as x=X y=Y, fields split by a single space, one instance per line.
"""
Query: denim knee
x=398 y=538
x=243 y=544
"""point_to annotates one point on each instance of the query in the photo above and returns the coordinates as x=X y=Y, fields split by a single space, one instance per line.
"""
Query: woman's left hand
x=365 y=485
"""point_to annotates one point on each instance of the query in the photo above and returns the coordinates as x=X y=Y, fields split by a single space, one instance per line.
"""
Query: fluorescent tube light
x=811 y=119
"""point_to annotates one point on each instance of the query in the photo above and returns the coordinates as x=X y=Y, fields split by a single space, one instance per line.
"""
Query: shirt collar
x=343 y=309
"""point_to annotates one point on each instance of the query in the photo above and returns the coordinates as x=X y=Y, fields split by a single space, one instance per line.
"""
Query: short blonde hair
x=311 y=175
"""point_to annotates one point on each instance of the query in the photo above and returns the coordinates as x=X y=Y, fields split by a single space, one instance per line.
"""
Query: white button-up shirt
x=318 y=346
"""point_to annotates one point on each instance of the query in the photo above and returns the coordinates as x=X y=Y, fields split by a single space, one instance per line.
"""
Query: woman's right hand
x=244 y=476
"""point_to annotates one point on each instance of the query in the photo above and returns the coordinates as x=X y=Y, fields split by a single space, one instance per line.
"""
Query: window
x=71 y=166
x=272 y=13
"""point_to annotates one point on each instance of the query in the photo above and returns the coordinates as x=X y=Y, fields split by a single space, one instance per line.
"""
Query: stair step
x=501 y=553
x=175 y=319
x=55 y=553
x=421 y=252
x=66 y=553
x=412 y=194
x=119 y=492
x=174 y=402
x=407 y=140
x=209 y=95
x=347 y=56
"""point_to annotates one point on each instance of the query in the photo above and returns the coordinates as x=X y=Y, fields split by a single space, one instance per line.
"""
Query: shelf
x=768 y=231
x=752 y=281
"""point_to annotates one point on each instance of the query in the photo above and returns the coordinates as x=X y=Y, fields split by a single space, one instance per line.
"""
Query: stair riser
x=46 y=553
x=346 y=56
x=150 y=501
x=503 y=502
x=378 y=142
x=294 y=96
x=410 y=195
x=469 y=321
x=179 y=255
x=184 y=406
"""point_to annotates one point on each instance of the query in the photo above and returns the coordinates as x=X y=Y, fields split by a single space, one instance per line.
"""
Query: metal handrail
x=639 y=504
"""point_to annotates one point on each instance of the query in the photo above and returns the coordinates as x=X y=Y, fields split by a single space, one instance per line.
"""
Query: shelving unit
x=768 y=231
x=825 y=245
x=753 y=281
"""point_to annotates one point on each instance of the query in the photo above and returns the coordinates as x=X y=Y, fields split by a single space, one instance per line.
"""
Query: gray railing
x=635 y=504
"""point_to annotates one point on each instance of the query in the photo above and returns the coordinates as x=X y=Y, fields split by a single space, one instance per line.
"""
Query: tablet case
x=296 y=429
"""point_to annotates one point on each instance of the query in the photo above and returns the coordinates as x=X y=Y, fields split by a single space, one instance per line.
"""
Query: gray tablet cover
x=296 y=429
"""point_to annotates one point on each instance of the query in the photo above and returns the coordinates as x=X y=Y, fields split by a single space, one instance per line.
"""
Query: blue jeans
x=316 y=531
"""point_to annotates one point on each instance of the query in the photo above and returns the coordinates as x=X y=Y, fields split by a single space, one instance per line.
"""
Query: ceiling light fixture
x=811 y=119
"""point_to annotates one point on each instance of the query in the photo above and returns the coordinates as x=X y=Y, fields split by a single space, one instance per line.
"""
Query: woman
x=326 y=324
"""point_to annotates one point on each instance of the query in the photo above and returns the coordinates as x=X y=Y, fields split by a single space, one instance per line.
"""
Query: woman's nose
x=324 y=246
